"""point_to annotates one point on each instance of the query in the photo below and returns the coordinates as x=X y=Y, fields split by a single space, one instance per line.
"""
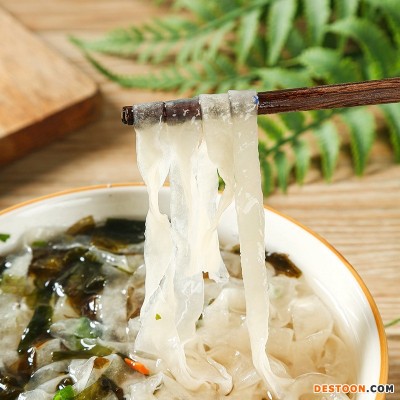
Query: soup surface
x=70 y=309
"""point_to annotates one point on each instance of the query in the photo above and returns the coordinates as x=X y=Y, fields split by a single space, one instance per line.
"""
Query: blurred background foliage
x=216 y=45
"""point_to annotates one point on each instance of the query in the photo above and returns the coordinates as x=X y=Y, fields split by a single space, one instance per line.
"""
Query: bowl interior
x=334 y=280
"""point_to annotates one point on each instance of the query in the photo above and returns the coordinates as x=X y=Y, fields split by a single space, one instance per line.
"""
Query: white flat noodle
x=336 y=359
x=144 y=390
x=14 y=317
x=224 y=354
x=37 y=394
x=187 y=228
x=178 y=299
x=217 y=131
x=250 y=214
x=304 y=311
x=302 y=388
x=153 y=163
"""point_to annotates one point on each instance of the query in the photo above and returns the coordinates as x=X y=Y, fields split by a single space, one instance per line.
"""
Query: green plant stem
x=392 y=323
x=292 y=138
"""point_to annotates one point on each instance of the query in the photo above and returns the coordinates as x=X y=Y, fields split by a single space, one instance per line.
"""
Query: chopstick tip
x=127 y=115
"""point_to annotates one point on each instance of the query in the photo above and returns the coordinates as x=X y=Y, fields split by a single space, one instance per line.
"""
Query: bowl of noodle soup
x=332 y=279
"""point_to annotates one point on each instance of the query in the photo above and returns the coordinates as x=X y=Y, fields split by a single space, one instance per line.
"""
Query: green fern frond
x=373 y=41
x=272 y=78
x=282 y=169
x=294 y=121
x=268 y=181
x=317 y=14
x=302 y=160
x=329 y=143
x=266 y=45
x=272 y=129
x=280 y=21
x=248 y=29
x=392 y=113
x=361 y=124
x=391 y=11
x=329 y=65
x=346 y=8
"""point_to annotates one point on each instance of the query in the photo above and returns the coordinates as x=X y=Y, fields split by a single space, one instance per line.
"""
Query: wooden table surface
x=359 y=216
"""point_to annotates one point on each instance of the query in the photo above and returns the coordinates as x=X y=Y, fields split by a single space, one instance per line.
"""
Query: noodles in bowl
x=323 y=269
x=207 y=328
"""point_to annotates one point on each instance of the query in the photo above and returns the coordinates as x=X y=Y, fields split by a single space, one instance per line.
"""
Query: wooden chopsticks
x=304 y=99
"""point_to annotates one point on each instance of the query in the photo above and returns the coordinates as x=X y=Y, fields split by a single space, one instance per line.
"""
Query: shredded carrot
x=137 y=366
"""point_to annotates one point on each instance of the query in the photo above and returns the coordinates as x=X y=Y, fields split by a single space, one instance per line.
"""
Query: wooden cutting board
x=42 y=96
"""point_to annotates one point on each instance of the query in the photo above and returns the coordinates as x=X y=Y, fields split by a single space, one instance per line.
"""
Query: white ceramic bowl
x=333 y=278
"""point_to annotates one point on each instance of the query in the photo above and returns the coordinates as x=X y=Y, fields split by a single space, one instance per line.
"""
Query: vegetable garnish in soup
x=96 y=313
x=70 y=308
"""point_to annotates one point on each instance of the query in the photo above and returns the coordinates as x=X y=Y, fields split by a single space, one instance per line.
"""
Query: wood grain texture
x=330 y=96
x=359 y=216
x=42 y=96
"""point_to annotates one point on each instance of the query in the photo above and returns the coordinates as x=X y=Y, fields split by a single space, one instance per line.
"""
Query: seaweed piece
x=87 y=351
x=10 y=387
x=81 y=281
x=65 y=393
x=37 y=329
x=117 y=233
x=26 y=365
x=83 y=226
x=100 y=389
x=91 y=307
x=13 y=284
x=3 y=265
x=48 y=263
x=283 y=265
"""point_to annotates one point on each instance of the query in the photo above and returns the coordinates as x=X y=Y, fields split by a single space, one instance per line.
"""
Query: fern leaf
x=295 y=42
x=282 y=169
x=346 y=8
x=362 y=134
x=392 y=113
x=373 y=42
x=328 y=140
x=248 y=28
x=192 y=48
x=268 y=182
x=330 y=65
x=113 y=44
x=294 y=120
x=317 y=15
x=280 y=20
x=272 y=78
x=391 y=11
x=271 y=128
x=168 y=79
x=202 y=10
x=302 y=160
x=217 y=39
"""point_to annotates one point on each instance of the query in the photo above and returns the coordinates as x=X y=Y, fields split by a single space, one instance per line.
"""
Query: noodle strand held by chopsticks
x=225 y=140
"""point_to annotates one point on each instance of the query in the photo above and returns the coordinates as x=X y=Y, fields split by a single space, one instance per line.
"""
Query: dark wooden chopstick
x=313 y=98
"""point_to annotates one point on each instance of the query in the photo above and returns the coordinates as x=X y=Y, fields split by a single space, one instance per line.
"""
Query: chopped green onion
x=4 y=237
x=39 y=243
x=158 y=316
x=66 y=393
